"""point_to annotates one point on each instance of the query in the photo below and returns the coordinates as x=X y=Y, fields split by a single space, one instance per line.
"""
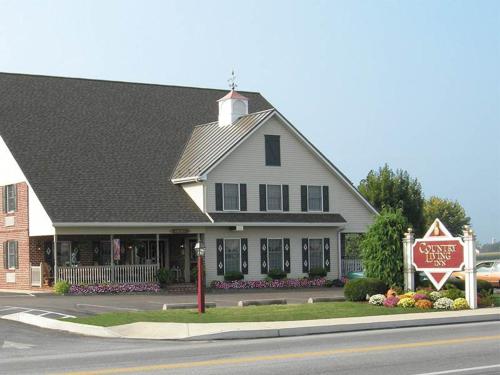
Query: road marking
x=32 y=311
x=262 y=358
x=107 y=307
x=16 y=345
x=459 y=370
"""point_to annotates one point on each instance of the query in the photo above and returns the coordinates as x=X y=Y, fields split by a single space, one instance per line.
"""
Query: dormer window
x=272 y=149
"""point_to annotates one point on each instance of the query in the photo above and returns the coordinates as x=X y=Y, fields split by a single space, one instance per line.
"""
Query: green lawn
x=247 y=314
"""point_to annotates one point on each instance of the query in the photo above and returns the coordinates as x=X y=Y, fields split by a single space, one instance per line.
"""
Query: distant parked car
x=487 y=270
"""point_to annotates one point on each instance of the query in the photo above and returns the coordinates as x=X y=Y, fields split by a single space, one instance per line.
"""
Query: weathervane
x=232 y=81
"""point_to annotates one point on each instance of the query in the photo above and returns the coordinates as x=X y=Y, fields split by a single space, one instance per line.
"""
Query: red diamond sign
x=438 y=254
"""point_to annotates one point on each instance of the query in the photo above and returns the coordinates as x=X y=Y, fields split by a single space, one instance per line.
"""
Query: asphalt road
x=97 y=304
x=449 y=348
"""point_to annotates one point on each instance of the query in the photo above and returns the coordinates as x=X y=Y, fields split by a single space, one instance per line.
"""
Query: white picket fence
x=351 y=265
x=138 y=273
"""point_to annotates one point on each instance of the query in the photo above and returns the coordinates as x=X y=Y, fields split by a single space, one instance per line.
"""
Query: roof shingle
x=101 y=151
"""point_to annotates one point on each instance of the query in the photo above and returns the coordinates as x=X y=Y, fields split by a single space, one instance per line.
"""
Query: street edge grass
x=272 y=313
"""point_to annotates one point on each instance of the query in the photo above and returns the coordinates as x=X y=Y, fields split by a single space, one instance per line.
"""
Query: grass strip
x=326 y=310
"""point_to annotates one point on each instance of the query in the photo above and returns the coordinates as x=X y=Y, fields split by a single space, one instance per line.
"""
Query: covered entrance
x=95 y=259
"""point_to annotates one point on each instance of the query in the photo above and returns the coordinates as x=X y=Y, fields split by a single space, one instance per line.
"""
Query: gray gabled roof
x=101 y=151
x=211 y=142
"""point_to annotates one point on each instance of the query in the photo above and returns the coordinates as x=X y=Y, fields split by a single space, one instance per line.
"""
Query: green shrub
x=382 y=248
x=484 y=285
x=61 y=287
x=164 y=276
x=358 y=289
x=485 y=298
x=453 y=293
x=233 y=276
x=317 y=272
x=276 y=274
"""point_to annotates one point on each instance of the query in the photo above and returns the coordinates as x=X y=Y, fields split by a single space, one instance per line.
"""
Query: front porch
x=130 y=258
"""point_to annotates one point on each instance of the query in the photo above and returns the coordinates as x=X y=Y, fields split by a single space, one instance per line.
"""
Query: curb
x=254 y=330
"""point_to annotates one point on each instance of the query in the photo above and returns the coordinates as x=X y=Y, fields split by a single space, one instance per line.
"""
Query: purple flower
x=391 y=301
x=84 y=289
x=276 y=284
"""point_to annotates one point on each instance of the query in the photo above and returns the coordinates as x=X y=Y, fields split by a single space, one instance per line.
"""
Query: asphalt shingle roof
x=101 y=151
x=210 y=142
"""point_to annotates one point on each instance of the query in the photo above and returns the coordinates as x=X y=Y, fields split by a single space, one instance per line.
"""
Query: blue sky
x=412 y=84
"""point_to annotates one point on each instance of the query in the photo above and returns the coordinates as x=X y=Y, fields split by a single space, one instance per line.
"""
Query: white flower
x=377 y=299
x=434 y=296
x=443 y=304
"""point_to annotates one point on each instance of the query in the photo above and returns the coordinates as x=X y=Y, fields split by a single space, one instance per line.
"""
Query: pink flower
x=391 y=301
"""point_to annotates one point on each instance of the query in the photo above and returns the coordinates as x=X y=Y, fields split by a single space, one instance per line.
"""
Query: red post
x=201 y=287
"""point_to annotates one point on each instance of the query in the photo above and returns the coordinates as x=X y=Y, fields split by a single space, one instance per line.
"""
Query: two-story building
x=109 y=181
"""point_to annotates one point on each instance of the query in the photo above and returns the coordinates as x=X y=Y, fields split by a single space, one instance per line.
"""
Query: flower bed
x=276 y=284
x=114 y=288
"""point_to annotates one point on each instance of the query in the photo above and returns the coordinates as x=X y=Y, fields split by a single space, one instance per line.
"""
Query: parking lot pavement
x=96 y=304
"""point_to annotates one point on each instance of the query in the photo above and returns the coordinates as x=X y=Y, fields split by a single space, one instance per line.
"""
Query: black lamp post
x=200 y=253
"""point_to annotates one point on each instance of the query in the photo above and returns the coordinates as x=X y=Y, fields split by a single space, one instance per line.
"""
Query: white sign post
x=409 y=270
x=470 y=268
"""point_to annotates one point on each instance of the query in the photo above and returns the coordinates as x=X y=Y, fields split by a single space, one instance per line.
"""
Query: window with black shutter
x=10 y=198
x=272 y=149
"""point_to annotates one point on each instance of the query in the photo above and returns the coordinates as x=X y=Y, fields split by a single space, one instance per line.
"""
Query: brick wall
x=18 y=232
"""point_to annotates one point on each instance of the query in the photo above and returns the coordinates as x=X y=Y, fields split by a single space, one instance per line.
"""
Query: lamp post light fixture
x=199 y=249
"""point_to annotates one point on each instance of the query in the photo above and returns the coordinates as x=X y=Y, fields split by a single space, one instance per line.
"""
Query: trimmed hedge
x=358 y=289
x=317 y=272
x=233 y=276
x=276 y=274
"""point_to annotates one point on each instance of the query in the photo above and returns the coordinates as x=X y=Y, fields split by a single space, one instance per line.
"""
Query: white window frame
x=9 y=248
x=282 y=253
x=322 y=252
x=6 y=198
x=223 y=200
x=267 y=197
x=239 y=244
x=321 y=198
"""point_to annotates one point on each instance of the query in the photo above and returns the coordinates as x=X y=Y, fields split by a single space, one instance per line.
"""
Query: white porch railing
x=351 y=265
x=36 y=275
x=138 y=273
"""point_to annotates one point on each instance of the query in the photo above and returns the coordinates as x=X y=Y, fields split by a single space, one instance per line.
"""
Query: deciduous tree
x=397 y=190
x=451 y=214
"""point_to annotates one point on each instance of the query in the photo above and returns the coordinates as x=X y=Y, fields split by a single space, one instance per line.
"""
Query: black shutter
x=244 y=256
x=326 y=254
x=305 y=255
x=303 y=197
x=15 y=197
x=326 y=199
x=220 y=256
x=4 y=198
x=16 y=254
x=263 y=255
x=5 y=256
x=286 y=254
x=263 y=196
x=286 y=199
x=218 y=197
x=243 y=197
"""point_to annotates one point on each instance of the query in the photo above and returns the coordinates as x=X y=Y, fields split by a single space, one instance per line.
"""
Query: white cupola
x=231 y=107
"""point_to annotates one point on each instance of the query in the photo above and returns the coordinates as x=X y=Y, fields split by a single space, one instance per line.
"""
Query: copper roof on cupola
x=233 y=95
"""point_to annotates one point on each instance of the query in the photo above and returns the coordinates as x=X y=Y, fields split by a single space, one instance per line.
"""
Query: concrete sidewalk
x=249 y=330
